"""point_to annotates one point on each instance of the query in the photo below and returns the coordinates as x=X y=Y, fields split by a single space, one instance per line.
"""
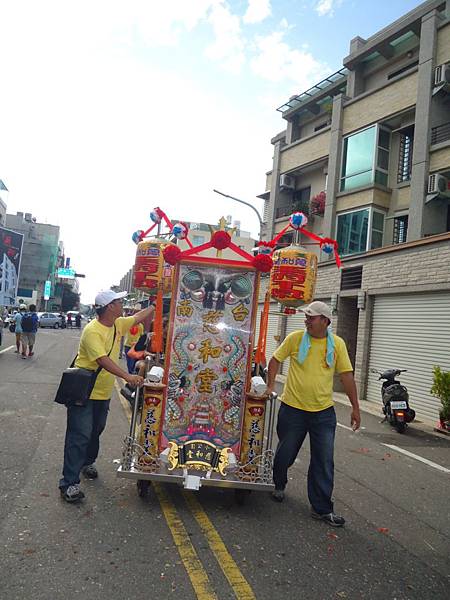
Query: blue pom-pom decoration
x=136 y=237
x=298 y=220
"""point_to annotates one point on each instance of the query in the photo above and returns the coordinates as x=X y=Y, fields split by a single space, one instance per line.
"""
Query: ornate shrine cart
x=202 y=426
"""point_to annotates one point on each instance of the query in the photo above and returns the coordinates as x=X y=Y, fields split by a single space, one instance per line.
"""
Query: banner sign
x=66 y=273
x=209 y=354
x=47 y=290
x=10 y=255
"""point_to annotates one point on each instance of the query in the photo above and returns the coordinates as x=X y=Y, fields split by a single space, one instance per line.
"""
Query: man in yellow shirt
x=307 y=406
x=99 y=347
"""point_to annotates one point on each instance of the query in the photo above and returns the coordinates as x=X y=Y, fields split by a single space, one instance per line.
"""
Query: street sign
x=47 y=290
x=66 y=273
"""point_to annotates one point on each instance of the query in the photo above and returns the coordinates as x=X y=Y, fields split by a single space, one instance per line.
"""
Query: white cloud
x=276 y=61
x=326 y=7
x=228 y=46
x=257 y=11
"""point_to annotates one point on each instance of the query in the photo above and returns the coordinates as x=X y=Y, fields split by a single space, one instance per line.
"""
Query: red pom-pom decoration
x=263 y=262
x=220 y=240
x=172 y=254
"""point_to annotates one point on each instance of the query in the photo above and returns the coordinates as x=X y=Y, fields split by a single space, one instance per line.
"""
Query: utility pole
x=261 y=222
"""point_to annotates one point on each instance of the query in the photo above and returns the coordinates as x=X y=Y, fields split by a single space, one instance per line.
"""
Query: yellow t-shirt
x=309 y=386
x=131 y=338
x=96 y=341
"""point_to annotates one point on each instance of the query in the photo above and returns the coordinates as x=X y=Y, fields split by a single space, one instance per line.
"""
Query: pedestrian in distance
x=78 y=320
x=18 y=326
x=69 y=321
x=307 y=406
x=29 y=324
x=99 y=347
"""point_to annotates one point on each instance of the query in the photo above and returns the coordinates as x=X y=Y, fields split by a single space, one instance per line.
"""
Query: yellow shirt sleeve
x=289 y=345
x=343 y=363
x=123 y=324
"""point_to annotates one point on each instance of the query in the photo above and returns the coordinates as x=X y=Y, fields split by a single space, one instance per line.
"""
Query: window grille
x=351 y=278
x=400 y=229
x=405 y=156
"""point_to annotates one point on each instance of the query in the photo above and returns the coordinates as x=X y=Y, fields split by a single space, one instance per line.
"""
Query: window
x=198 y=240
x=400 y=229
x=405 y=155
x=365 y=158
x=359 y=231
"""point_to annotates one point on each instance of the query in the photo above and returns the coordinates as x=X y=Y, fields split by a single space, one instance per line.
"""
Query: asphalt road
x=176 y=544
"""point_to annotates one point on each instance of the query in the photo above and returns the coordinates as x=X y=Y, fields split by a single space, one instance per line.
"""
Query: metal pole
x=261 y=222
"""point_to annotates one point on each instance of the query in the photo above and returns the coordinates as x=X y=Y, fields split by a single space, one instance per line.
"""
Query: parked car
x=50 y=320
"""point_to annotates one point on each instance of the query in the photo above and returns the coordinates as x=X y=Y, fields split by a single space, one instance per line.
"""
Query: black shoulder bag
x=76 y=383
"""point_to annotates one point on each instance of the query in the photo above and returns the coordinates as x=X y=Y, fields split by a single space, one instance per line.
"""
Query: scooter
x=395 y=399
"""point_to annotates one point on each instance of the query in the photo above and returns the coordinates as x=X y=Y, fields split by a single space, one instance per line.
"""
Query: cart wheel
x=142 y=487
x=241 y=495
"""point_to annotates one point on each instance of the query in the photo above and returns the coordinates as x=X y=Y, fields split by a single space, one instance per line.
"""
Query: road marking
x=230 y=569
x=194 y=568
x=6 y=349
x=345 y=427
x=417 y=457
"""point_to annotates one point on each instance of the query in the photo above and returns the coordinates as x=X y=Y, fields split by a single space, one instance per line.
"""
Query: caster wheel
x=241 y=495
x=142 y=488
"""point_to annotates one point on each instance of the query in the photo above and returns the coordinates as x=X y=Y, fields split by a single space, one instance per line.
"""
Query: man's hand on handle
x=135 y=380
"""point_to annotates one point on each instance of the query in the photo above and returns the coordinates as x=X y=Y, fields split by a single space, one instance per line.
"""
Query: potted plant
x=317 y=206
x=441 y=389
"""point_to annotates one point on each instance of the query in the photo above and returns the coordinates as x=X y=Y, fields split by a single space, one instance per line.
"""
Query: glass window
x=405 y=155
x=400 y=229
x=359 y=231
x=358 y=158
x=365 y=158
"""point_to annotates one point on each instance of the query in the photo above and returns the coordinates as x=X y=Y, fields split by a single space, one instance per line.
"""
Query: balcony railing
x=441 y=133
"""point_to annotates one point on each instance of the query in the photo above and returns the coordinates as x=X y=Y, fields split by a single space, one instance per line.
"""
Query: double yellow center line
x=189 y=557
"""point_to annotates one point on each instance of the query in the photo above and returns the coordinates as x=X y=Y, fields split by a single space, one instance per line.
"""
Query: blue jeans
x=130 y=361
x=85 y=424
x=292 y=426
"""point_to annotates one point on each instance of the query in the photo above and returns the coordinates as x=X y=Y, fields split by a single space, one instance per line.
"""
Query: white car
x=50 y=320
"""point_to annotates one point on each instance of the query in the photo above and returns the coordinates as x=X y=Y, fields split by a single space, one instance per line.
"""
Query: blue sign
x=66 y=273
x=47 y=290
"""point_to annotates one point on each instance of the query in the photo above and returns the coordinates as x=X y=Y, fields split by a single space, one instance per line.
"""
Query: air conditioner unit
x=439 y=184
x=442 y=74
x=287 y=182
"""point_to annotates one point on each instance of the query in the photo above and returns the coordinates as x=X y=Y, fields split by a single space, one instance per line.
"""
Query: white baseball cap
x=105 y=297
x=317 y=308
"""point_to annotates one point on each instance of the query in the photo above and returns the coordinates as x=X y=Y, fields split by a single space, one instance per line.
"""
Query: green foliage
x=441 y=389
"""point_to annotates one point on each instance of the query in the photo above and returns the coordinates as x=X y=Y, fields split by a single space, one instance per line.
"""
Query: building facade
x=39 y=256
x=366 y=154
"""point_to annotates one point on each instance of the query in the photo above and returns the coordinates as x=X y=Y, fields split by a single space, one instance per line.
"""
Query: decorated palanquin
x=202 y=425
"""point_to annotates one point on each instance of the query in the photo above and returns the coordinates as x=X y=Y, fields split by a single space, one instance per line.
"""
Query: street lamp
x=261 y=222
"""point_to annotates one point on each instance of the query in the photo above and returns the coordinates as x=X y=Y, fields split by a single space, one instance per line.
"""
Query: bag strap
x=99 y=368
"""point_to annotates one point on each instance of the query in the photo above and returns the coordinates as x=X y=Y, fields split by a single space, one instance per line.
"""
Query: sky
x=109 y=108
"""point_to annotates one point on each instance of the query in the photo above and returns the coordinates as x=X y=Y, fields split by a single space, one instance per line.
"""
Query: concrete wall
x=377 y=106
x=443 y=45
x=305 y=151
x=440 y=159
x=370 y=196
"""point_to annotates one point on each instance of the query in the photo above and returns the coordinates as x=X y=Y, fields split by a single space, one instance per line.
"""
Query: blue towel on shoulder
x=305 y=345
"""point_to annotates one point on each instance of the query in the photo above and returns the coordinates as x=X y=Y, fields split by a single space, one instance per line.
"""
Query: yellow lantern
x=150 y=268
x=293 y=276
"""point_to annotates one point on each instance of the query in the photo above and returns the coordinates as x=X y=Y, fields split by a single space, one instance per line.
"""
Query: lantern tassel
x=157 y=337
x=260 y=355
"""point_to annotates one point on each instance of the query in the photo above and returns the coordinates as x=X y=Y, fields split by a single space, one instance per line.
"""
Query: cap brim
x=308 y=311
x=120 y=295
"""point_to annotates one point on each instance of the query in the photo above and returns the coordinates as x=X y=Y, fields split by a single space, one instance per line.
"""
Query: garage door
x=272 y=328
x=411 y=332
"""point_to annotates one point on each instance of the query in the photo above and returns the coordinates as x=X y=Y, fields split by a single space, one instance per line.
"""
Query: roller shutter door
x=411 y=331
x=272 y=328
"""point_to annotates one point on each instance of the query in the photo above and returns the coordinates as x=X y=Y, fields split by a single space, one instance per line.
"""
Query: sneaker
x=278 y=495
x=72 y=493
x=24 y=356
x=30 y=353
x=330 y=518
x=16 y=351
x=90 y=472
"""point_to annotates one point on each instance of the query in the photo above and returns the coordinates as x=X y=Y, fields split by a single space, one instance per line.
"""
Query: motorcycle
x=395 y=399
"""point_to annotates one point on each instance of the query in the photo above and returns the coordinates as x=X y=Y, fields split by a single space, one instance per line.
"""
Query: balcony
x=440 y=134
